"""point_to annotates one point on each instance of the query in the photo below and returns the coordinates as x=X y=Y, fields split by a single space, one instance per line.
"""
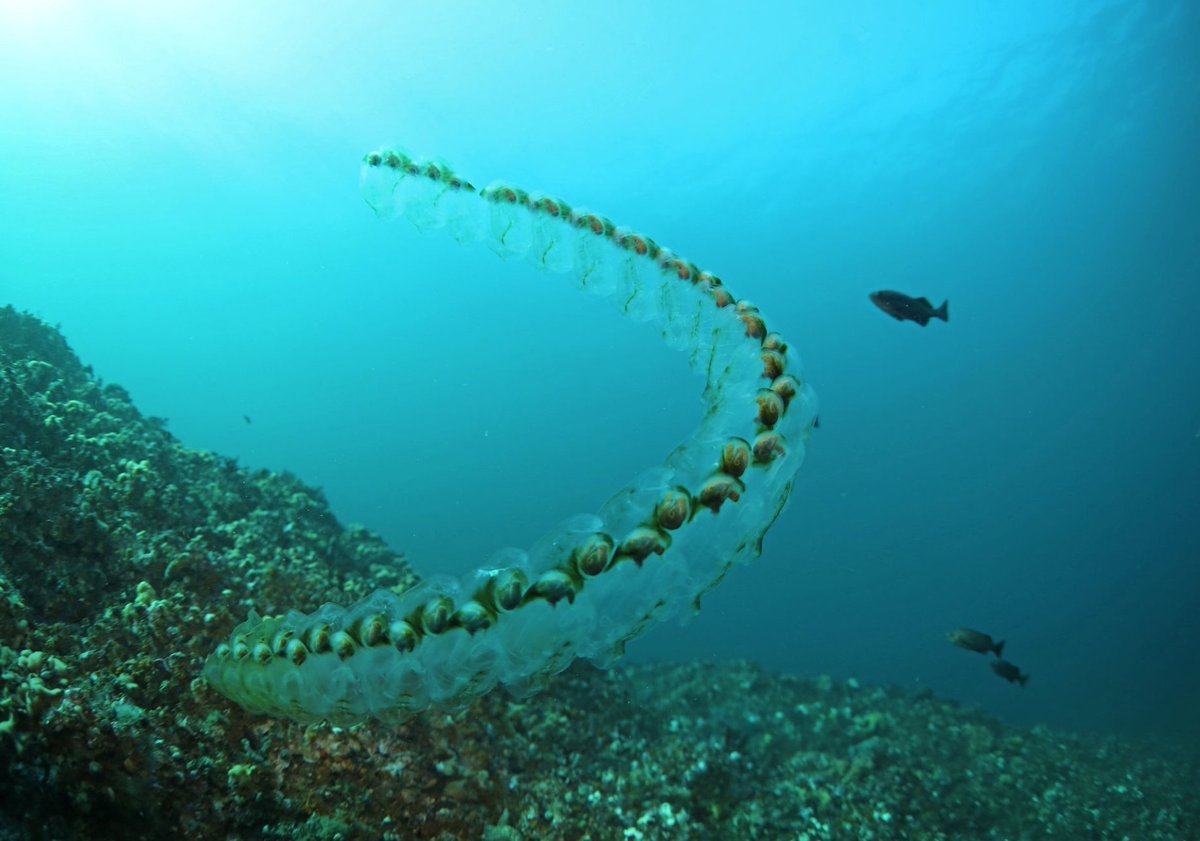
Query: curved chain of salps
x=596 y=581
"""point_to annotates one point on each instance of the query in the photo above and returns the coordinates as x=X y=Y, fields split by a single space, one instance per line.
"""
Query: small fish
x=975 y=641
x=903 y=308
x=246 y=418
x=1009 y=672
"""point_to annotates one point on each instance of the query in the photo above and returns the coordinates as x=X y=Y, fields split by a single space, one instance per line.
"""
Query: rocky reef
x=125 y=557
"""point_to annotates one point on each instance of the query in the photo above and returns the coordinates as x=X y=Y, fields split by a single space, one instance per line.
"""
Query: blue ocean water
x=179 y=190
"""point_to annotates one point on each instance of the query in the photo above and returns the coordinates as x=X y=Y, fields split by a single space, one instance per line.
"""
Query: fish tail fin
x=998 y=648
x=1024 y=679
x=943 y=312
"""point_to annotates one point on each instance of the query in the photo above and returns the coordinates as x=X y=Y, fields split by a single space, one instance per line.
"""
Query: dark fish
x=903 y=308
x=1009 y=672
x=975 y=641
x=246 y=418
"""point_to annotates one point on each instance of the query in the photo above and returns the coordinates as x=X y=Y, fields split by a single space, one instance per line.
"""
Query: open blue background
x=179 y=190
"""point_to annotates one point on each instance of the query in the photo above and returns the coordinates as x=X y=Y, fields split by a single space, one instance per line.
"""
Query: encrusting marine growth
x=598 y=580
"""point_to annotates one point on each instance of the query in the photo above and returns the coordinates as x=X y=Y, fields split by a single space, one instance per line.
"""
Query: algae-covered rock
x=125 y=557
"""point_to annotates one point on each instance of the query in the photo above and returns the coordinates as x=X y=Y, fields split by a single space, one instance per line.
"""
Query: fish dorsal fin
x=925 y=301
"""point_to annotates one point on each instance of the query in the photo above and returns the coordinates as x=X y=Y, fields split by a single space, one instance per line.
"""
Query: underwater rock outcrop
x=119 y=549
x=95 y=497
x=123 y=555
